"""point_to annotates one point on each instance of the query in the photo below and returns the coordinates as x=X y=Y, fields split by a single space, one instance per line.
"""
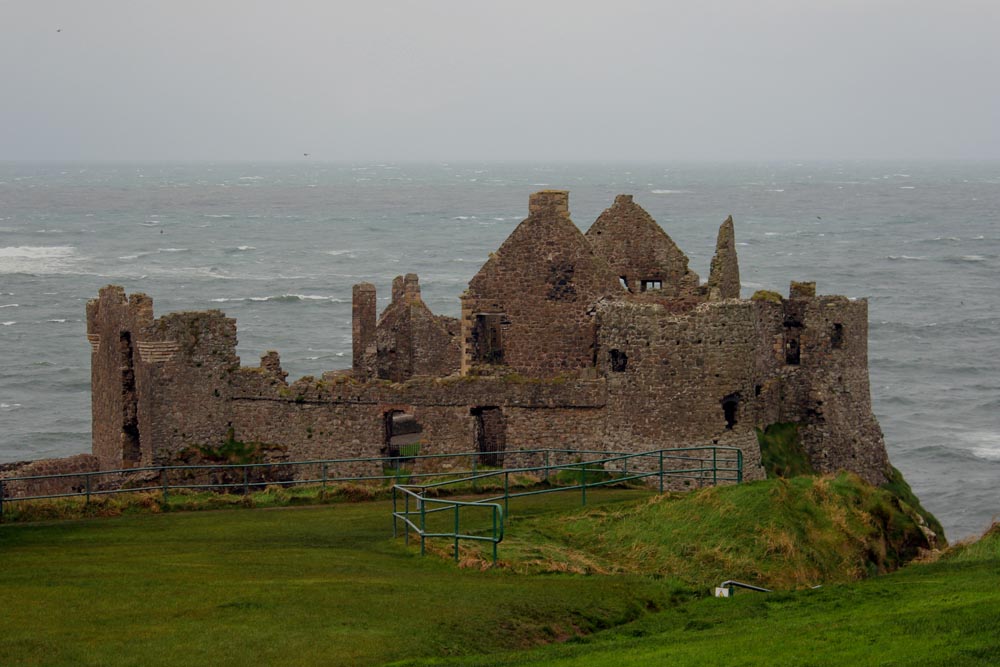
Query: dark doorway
x=618 y=360
x=131 y=447
x=491 y=435
x=402 y=436
x=792 y=352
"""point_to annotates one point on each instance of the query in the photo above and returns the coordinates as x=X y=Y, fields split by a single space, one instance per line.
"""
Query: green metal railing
x=705 y=464
x=243 y=478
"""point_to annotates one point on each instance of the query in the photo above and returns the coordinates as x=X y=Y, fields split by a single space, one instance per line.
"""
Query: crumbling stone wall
x=528 y=307
x=640 y=252
x=157 y=385
x=410 y=340
x=70 y=465
x=674 y=378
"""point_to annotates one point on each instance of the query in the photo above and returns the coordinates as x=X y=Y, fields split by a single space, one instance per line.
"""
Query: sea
x=279 y=245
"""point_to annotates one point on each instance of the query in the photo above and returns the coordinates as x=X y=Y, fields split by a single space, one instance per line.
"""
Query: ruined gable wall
x=543 y=280
x=638 y=249
x=678 y=369
x=828 y=392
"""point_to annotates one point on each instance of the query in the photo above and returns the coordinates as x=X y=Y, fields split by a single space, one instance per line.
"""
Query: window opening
x=624 y=281
x=487 y=338
x=837 y=337
x=730 y=407
x=651 y=285
x=618 y=360
x=792 y=352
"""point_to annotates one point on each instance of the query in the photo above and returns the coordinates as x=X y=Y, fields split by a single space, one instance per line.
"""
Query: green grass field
x=329 y=585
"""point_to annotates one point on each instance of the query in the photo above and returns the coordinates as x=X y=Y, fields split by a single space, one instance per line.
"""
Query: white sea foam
x=907 y=187
x=10 y=305
x=906 y=257
x=973 y=258
x=9 y=406
x=280 y=298
x=337 y=253
x=173 y=250
x=7 y=324
x=59 y=321
x=671 y=192
x=245 y=247
x=37 y=259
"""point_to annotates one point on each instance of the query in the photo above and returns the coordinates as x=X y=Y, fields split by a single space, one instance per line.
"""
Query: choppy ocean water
x=278 y=246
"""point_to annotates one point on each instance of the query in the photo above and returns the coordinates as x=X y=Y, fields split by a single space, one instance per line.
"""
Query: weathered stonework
x=552 y=350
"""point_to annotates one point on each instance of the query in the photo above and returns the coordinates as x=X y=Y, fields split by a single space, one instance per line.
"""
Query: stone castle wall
x=551 y=351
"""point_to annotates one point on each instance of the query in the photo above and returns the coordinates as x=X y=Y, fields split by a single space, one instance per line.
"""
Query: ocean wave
x=9 y=406
x=10 y=305
x=217 y=215
x=671 y=192
x=7 y=324
x=911 y=258
x=280 y=298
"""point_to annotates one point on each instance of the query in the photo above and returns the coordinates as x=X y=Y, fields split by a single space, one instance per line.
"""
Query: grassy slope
x=298 y=586
x=942 y=613
x=775 y=533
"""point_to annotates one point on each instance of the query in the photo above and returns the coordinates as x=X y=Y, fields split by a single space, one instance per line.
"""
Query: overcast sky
x=499 y=80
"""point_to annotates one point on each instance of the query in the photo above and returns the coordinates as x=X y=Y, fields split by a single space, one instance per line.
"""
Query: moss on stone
x=766 y=295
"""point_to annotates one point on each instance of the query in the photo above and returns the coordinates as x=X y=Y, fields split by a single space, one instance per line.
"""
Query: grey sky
x=509 y=79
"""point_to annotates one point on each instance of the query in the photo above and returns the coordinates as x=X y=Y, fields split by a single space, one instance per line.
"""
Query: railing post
x=163 y=483
x=475 y=461
x=87 y=478
x=456 y=533
x=583 y=481
x=661 y=471
x=546 y=466
x=2 y=494
x=406 y=512
x=325 y=465
x=395 y=532
x=423 y=523
x=495 y=510
x=739 y=466
x=506 y=492
x=715 y=467
x=246 y=481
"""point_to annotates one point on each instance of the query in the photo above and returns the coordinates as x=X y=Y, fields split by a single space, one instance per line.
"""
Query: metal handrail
x=159 y=480
x=418 y=491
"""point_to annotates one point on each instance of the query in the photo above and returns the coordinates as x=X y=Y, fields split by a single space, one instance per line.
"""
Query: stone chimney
x=363 y=319
x=797 y=290
x=411 y=287
x=549 y=202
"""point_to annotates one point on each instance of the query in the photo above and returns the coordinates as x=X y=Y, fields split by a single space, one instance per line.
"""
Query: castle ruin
x=603 y=341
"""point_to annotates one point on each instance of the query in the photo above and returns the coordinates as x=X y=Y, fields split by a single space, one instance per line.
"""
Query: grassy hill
x=329 y=585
